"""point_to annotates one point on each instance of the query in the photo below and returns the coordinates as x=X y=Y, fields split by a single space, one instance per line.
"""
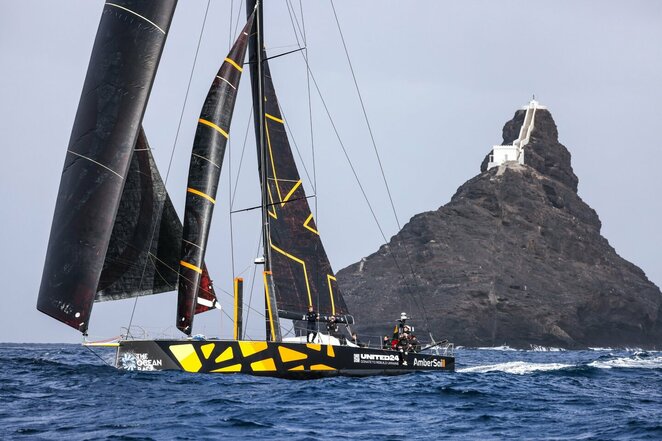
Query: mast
x=256 y=55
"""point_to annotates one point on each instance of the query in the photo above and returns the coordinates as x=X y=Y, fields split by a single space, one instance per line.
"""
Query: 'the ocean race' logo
x=138 y=362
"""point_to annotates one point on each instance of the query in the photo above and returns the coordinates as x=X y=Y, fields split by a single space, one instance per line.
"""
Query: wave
x=497 y=348
x=506 y=348
x=536 y=348
x=516 y=367
x=641 y=360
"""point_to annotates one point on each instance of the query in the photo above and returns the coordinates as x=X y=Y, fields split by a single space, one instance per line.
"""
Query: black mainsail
x=301 y=270
x=123 y=64
x=207 y=156
x=295 y=257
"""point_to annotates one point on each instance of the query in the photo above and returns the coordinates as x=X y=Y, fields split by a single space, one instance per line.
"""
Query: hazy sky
x=439 y=80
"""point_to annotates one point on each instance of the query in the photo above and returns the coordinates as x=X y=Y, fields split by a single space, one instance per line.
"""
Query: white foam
x=536 y=348
x=516 y=367
x=497 y=348
x=629 y=362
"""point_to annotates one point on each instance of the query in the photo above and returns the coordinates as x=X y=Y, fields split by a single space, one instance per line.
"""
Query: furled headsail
x=125 y=56
x=301 y=270
x=207 y=155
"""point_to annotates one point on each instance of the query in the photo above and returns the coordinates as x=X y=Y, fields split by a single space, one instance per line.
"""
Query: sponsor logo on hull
x=131 y=361
x=434 y=363
x=376 y=358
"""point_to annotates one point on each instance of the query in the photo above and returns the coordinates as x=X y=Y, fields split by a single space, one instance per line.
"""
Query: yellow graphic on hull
x=232 y=368
x=207 y=349
x=267 y=365
x=187 y=357
x=287 y=354
x=321 y=367
x=249 y=348
x=226 y=355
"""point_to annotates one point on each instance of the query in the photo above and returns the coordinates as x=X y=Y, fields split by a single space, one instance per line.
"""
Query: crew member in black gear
x=332 y=327
x=311 y=330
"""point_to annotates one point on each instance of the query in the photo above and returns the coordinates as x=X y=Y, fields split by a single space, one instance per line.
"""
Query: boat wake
x=640 y=360
x=516 y=367
x=506 y=348
x=496 y=348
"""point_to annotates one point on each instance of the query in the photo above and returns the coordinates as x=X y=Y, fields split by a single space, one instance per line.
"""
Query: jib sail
x=207 y=155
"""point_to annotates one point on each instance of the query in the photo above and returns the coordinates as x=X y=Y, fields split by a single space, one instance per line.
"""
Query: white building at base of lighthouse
x=515 y=152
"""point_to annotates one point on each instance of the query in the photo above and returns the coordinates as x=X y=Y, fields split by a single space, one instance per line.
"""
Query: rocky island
x=516 y=257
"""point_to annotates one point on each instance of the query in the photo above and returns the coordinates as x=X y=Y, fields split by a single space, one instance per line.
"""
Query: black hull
x=282 y=360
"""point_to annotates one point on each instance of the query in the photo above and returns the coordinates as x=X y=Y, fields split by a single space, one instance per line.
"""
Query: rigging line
x=276 y=56
x=374 y=144
x=310 y=110
x=230 y=143
x=316 y=268
x=241 y=159
x=296 y=146
x=358 y=181
x=190 y=280
x=295 y=25
x=250 y=297
x=274 y=204
x=172 y=153
x=365 y=115
x=98 y=356
x=241 y=3
x=230 y=28
x=293 y=19
x=305 y=56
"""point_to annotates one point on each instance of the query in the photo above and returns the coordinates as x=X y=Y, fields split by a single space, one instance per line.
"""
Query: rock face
x=516 y=257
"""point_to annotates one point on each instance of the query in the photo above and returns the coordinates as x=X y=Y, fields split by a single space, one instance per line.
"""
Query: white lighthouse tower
x=515 y=152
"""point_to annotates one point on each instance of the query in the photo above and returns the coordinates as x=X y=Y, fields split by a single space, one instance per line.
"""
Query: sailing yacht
x=116 y=234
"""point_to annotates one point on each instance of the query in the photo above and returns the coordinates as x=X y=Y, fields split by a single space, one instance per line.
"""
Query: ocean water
x=66 y=392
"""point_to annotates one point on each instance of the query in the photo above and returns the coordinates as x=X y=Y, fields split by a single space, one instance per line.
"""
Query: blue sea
x=66 y=392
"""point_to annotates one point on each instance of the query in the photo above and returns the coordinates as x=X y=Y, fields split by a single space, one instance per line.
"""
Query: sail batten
x=122 y=67
x=207 y=156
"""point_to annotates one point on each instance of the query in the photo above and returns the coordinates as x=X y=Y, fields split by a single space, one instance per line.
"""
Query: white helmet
x=403 y=316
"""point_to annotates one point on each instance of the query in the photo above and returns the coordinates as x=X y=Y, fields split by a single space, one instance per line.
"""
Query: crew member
x=332 y=327
x=356 y=341
x=311 y=329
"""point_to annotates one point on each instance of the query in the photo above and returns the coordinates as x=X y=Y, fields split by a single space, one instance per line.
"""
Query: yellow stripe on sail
x=308 y=227
x=329 y=278
x=201 y=194
x=273 y=165
x=303 y=264
x=289 y=195
x=274 y=118
x=214 y=126
x=232 y=62
x=190 y=266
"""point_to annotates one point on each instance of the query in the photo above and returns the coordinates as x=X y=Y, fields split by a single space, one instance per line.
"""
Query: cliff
x=516 y=257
